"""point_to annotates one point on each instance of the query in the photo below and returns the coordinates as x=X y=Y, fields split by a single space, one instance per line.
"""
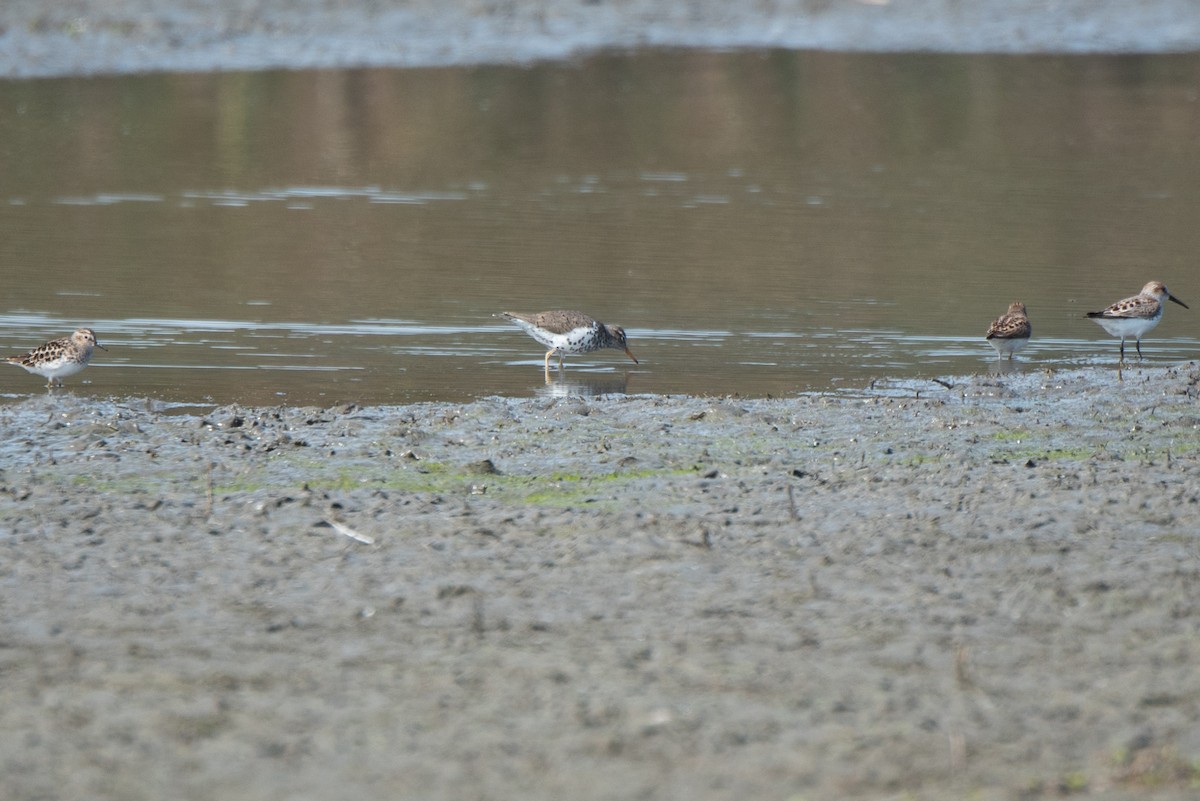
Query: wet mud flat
x=987 y=587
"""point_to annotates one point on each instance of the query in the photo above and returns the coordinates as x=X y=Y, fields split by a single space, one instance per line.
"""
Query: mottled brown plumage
x=59 y=357
x=1135 y=316
x=570 y=332
x=1011 y=331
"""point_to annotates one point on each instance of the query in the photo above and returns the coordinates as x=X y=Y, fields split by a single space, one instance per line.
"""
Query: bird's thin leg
x=1139 y=348
x=560 y=363
x=1122 y=359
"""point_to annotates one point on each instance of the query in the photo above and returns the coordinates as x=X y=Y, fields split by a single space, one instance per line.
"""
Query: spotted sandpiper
x=571 y=332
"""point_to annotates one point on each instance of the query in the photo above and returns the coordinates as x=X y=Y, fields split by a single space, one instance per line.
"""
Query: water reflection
x=584 y=386
x=1003 y=367
x=760 y=223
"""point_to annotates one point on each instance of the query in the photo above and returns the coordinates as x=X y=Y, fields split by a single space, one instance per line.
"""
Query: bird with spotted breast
x=59 y=357
x=569 y=333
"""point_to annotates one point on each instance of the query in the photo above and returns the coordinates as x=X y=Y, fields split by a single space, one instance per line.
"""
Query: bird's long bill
x=101 y=347
x=1177 y=300
x=630 y=355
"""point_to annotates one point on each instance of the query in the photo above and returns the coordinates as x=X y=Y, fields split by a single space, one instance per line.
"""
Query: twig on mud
x=478 y=624
x=705 y=540
x=956 y=739
x=958 y=748
x=795 y=513
x=209 y=492
x=349 y=532
x=961 y=672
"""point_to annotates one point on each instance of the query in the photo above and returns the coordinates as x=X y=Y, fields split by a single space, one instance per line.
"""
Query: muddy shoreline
x=984 y=590
x=98 y=37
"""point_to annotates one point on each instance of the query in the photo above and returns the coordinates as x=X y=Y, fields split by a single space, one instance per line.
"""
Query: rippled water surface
x=760 y=223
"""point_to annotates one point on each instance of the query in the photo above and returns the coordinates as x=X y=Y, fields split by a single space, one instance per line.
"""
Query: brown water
x=760 y=223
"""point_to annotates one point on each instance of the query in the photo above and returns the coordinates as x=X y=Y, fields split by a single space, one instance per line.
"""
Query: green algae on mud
x=768 y=594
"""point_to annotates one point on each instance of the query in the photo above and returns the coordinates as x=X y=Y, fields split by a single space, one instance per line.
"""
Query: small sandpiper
x=1011 y=331
x=571 y=332
x=1135 y=316
x=60 y=357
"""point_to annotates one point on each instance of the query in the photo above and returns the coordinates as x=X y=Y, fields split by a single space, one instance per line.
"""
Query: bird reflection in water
x=587 y=386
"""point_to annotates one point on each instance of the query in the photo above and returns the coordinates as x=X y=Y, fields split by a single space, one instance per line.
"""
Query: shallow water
x=760 y=223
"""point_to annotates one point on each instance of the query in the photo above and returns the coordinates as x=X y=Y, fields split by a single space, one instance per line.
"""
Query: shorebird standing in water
x=1135 y=316
x=60 y=357
x=570 y=332
x=1011 y=331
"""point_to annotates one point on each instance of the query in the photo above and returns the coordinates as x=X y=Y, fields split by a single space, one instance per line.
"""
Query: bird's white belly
x=57 y=368
x=1009 y=346
x=573 y=341
x=1127 y=327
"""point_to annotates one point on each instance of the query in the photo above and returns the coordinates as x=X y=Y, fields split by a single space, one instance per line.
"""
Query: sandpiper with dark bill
x=1135 y=316
x=1011 y=331
x=570 y=332
x=60 y=357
